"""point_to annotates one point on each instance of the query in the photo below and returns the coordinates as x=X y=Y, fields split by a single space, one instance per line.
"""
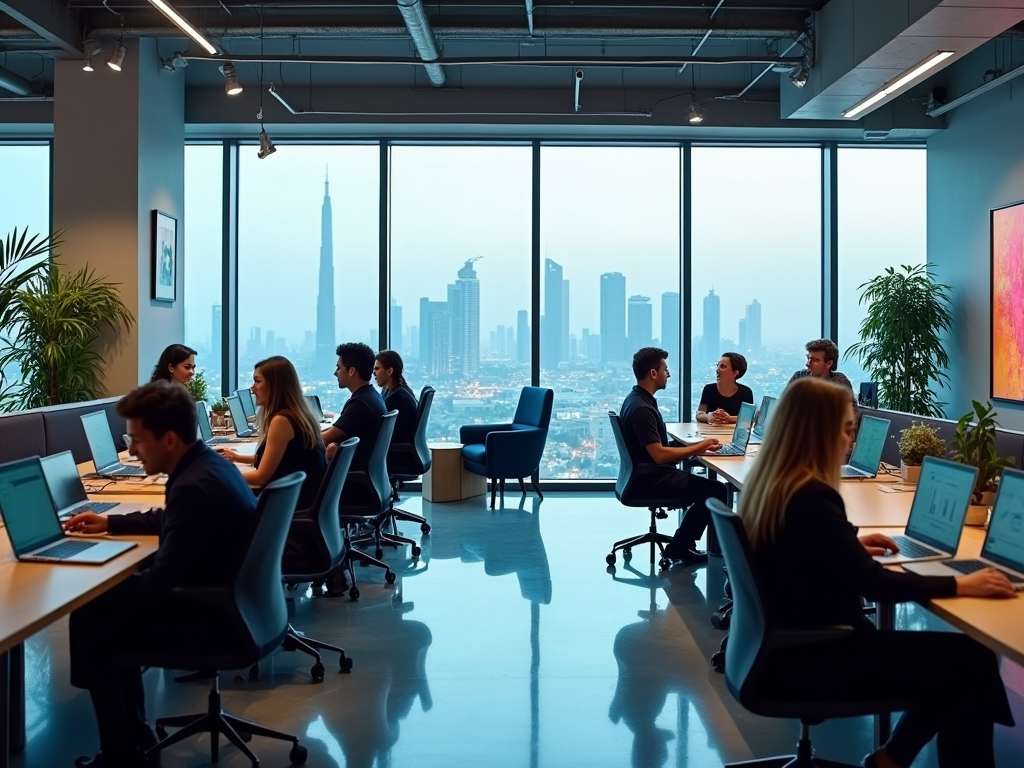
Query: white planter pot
x=910 y=472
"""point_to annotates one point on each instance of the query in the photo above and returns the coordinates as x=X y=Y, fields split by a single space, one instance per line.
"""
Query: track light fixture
x=695 y=115
x=231 y=85
x=267 y=147
x=92 y=49
x=117 y=57
x=176 y=63
x=184 y=26
x=798 y=76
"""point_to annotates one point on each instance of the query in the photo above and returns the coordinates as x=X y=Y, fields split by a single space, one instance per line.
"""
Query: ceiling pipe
x=529 y=16
x=707 y=34
x=422 y=35
x=15 y=83
x=533 y=61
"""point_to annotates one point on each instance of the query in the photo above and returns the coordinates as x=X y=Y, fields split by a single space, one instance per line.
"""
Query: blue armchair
x=498 y=451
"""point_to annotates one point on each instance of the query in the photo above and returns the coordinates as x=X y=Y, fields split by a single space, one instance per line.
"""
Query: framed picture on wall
x=1007 y=228
x=165 y=256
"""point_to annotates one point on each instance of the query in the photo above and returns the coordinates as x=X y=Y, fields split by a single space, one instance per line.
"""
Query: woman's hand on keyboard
x=988 y=582
x=86 y=522
x=878 y=544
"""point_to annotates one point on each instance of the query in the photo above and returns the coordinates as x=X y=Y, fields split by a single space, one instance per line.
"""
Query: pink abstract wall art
x=1008 y=302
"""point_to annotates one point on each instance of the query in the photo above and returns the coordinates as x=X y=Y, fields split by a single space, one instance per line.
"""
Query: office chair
x=628 y=492
x=318 y=529
x=754 y=637
x=499 y=451
x=256 y=607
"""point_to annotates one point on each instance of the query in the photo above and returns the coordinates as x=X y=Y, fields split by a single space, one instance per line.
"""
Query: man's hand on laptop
x=988 y=582
x=709 y=445
x=878 y=544
x=86 y=522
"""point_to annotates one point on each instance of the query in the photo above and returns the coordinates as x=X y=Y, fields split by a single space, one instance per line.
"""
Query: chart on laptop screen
x=943 y=492
x=1005 y=541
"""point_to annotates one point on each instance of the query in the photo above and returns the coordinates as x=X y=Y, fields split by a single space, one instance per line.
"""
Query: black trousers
x=680 y=490
x=948 y=683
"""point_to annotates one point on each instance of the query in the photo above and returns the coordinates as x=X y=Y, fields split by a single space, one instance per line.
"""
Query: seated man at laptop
x=204 y=530
x=644 y=431
x=822 y=359
x=360 y=416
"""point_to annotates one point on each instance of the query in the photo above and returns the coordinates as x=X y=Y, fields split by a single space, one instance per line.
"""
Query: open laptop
x=69 y=496
x=104 y=452
x=761 y=418
x=242 y=428
x=740 y=435
x=206 y=431
x=32 y=525
x=937 y=514
x=314 y=405
x=248 y=403
x=867 y=453
x=1004 y=542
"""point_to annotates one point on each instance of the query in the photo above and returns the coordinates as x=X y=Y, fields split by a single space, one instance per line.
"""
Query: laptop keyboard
x=99 y=507
x=728 y=450
x=220 y=440
x=970 y=566
x=66 y=549
x=910 y=548
x=121 y=470
x=848 y=471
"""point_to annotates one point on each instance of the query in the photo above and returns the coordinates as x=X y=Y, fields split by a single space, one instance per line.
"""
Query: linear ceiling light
x=903 y=80
x=183 y=25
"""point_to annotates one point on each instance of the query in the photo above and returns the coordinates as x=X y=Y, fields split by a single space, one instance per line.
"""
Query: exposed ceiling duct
x=418 y=24
x=15 y=83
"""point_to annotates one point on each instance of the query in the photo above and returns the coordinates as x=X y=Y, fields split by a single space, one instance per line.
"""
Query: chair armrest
x=472 y=434
x=515 y=453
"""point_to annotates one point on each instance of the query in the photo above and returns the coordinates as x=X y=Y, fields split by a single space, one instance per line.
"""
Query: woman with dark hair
x=177 y=363
x=387 y=371
x=720 y=402
x=289 y=433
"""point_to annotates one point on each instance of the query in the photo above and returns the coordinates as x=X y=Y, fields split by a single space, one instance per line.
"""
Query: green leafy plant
x=197 y=386
x=975 y=445
x=55 y=320
x=920 y=440
x=22 y=258
x=900 y=344
x=219 y=407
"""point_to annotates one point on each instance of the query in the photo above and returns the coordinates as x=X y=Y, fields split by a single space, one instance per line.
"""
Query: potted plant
x=197 y=387
x=22 y=258
x=917 y=441
x=217 y=411
x=975 y=444
x=900 y=344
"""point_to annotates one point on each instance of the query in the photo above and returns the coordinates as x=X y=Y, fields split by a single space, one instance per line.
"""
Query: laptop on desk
x=867 y=453
x=761 y=418
x=937 y=514
x=247 y=401
x=68 y=492
x=104 y=452
x=30 y=517
x=740 y=435
x=1004 y=541
x=206 y=431
x=242 y=428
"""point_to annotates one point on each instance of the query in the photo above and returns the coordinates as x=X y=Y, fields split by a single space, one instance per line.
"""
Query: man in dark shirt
x=654 y=459
x=822 y=359
x=204 y=528
x=360 y=416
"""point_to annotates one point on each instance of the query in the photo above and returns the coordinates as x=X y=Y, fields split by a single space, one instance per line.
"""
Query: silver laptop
x=248 y=402
x=867 y=453
x=32 y=525
x=206 y=431
x=937 y=514
x=740 y=435
x=104 y=452
x=314 y=405
x=761 y=419
x=242 y=428
x=1004 y=542
x=69 y=495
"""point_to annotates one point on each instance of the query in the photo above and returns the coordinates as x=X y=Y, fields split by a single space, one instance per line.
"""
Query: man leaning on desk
x=205 y=529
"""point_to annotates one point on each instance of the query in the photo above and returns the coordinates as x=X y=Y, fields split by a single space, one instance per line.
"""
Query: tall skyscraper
x=567 y=353
x=753 y=319
x=325 y=328
x=670 y=328
x=613 y=318
x=712 y=338
x=464 y=308
x=743 y=336
x=523 y=337
x=551 y=324
x=395 y=339
x=435 y=337
x=640 y=322
x=216 y=336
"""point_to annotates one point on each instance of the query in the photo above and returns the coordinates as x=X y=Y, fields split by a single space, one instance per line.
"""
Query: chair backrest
x=377 y=466
x=258 y=596
x=625 y=460
x=419 y=440
x=328 y=498
x=534 y=409
x=749 y=624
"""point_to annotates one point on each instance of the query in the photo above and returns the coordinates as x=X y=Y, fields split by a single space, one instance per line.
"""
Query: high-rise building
x=551 y=324
x=567 y=353
x=753 y=319
x=743 y=336
x=499 y=341
x=585 y=344
x=712 y=338
x=613 y=318
x=464 y=309
x=640 y=322
x=395 y=337
x=435 y=337
x=216 y=336
x=523 y=337
x=309 y=342
x=326 y=359
x=510 y=342
x=670 y=327
x=270 y=347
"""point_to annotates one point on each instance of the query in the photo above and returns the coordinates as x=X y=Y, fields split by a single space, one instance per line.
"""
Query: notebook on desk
x=69 y=495
x=30 y=516
x=104 y=452
x=740 y=435
x=867 y=453
x=937 y=513
x=1004 y=541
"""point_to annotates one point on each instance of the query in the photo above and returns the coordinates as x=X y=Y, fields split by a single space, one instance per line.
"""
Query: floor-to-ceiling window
x=460 y=228
x=756 y=262
x=610 y=258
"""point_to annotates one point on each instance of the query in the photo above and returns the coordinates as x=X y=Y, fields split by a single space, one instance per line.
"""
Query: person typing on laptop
x=816 y=573
x=204 y=530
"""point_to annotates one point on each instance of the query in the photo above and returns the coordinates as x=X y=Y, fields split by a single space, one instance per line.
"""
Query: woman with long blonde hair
x=289 y=435
x=814 y=571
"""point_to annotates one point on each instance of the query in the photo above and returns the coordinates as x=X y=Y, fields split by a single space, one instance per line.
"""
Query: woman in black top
x=289 y=434
x=387 y=371
x=720 y=402
x=177 y=363
x=815 y=571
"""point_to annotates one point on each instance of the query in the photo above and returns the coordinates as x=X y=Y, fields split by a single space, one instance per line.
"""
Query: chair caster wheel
x=718 y=661
x=354 y=593
x=425 y=527
x=298 y=755
x=254 y=671
x=416 y=551
x=244 y=736
x=664 y=563
x=346 y=664
x=378 y=553
x=610 y=559
x=627 y=554
x=390 y=577
x=317 y=671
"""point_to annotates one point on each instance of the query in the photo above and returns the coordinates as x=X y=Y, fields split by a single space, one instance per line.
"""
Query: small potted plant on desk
x=217 y=411
x=917 y=441
x=975 y=445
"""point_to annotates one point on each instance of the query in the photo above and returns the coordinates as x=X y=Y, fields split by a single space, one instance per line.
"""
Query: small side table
x=447 y=479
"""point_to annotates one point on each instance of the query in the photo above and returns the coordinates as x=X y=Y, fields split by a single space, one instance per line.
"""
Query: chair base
x=652 y=537
x=218 y=723
x=294 y=641
x=804 y=757
x=494 y=488
x=353 y=556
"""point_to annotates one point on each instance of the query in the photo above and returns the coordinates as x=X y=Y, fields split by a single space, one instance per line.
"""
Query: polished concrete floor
x=506 y=644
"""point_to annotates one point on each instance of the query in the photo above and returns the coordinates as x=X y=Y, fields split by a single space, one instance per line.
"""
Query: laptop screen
x=940 y=503
x=870 y=442
x=763 y=414
x=314 y=405
x=248 y=403
x=1004 y=543
x=744 y=420
x=97 y=434
x=63 y=480
x=26 y=505
x=237 y=415
x=205 y=430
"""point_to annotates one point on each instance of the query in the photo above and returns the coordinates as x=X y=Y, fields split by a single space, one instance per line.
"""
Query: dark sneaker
x=687 y=556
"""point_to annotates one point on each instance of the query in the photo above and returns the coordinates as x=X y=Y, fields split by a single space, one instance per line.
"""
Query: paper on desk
x=895 y=487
